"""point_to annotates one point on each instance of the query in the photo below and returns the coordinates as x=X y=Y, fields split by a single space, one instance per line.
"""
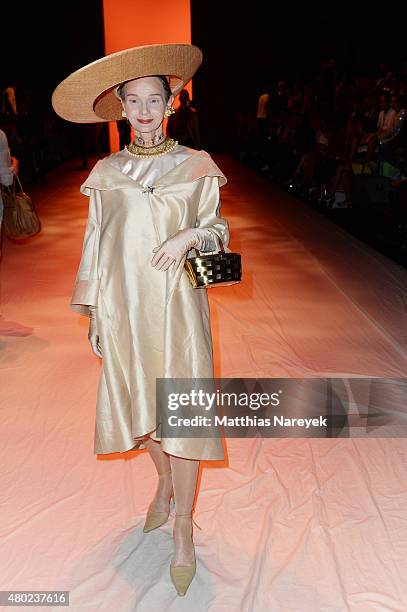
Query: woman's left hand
x=174 y=249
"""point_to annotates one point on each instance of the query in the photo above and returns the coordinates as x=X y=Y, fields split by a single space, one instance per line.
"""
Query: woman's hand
x=93 y=334
x=175 y=247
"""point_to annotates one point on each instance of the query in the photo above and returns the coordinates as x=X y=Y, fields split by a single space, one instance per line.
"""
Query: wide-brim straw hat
x=89 y=95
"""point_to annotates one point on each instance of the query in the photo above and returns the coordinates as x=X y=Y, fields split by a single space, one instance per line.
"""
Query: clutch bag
x=214 y=270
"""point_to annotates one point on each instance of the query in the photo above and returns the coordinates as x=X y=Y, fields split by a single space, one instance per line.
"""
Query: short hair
x=163 y=79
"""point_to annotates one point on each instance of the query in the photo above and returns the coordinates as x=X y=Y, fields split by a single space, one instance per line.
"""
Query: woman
x=8 y=168
x=149 y=205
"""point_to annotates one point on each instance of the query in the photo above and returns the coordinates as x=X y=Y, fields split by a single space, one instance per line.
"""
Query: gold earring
x=169 y=111
x=124 y=113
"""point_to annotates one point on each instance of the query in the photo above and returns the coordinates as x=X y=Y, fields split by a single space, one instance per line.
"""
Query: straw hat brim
x=88 y=95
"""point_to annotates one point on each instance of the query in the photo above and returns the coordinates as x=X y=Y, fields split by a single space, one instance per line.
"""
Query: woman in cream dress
x=149 y=205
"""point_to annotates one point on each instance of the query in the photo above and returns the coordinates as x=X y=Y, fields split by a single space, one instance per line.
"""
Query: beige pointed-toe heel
x=156 y=519
x=182 y=575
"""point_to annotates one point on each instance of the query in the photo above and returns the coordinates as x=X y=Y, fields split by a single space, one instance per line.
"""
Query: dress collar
x=106 y=176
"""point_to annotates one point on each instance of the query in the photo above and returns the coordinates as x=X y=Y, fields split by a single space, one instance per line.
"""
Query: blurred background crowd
x=339 y=143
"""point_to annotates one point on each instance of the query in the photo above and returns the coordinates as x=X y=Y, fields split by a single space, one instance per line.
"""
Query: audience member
x=183 y=125
x=262 y=115
x=9 y=100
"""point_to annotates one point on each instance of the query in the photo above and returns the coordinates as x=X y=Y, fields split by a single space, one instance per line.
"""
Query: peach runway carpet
x=287 y=524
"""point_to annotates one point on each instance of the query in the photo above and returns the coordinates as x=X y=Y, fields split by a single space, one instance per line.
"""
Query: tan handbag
x=20 y=219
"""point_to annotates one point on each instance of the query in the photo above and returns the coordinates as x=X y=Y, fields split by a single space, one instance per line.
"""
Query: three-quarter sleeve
x=86 y=287
x=209 y=212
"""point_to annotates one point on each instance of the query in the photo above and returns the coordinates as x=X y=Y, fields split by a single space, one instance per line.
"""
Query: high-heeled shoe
x=155 y=519
x=182 y=575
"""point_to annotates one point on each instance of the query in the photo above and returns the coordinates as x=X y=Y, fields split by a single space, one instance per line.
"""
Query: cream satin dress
x=152 y=324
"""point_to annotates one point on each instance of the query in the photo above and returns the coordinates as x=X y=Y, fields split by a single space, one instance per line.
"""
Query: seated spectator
x=384 y=76
x=398 y=104
x=370 y=113
x=370 y=141
x=388 y=146
x=319 y=164
x=387 y=119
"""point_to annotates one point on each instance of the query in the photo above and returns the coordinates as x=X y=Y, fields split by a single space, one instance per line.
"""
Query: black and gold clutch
x=215 y=270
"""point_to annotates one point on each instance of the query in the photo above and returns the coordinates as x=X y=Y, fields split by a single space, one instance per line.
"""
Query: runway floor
x=288 y=524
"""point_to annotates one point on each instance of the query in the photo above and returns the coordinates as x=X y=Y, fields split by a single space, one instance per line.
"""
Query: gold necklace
x=157 y=150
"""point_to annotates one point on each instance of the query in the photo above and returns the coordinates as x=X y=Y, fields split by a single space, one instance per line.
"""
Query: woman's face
x=144 y=103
